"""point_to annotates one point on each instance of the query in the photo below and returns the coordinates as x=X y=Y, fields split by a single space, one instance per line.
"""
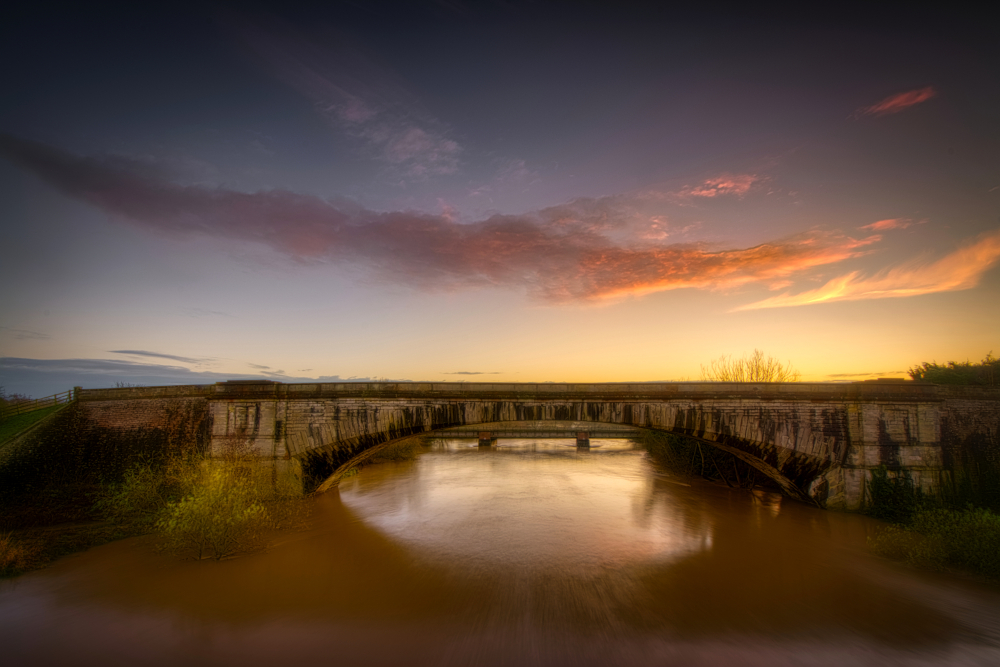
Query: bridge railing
x=22 y=407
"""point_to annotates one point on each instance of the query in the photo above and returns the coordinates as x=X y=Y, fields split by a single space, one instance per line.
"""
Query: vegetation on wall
x=892 y=496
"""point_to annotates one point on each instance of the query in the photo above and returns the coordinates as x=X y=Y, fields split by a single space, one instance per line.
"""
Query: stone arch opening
x=326 y=471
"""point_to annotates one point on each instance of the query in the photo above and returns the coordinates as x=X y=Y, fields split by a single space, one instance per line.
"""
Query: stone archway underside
x=791 y=444
x=786 y=485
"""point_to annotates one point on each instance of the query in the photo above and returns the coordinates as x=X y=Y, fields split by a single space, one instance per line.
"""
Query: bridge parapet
x=857 y=391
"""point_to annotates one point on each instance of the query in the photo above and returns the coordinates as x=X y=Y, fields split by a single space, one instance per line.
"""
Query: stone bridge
x=818 y=440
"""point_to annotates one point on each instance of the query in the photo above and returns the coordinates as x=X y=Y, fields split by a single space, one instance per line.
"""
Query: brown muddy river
x=532 y=553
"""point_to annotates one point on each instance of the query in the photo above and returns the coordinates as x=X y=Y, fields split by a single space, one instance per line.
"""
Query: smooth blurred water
x=529 y=553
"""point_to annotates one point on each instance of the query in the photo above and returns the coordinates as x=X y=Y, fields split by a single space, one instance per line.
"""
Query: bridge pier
x=583 y=439
x=486 y=439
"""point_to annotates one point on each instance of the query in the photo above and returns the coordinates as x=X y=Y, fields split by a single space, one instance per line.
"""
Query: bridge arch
x=792 y=470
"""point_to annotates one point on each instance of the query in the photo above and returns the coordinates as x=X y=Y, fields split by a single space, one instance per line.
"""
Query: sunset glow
x=519 y=193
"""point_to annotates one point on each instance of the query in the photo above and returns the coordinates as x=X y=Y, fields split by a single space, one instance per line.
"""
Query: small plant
x=755 y=367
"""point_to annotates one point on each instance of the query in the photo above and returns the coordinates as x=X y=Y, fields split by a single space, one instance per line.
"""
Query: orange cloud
x=897 y=103
x=725 y=184
x=960 y=270
x=891 y=223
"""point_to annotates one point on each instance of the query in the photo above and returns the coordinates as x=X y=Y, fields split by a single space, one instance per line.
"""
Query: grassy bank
x=16 y=424
x=947 y=531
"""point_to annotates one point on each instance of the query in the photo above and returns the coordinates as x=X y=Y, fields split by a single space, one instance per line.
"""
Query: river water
x=529 y=553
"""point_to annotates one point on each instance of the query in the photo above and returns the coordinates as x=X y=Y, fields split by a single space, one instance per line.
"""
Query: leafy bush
x=145 y=490
x=893 y=499
x=985 y=373
x=966 y=539
x=221 y=516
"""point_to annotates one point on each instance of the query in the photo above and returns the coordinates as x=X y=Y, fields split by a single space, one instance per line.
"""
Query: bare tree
x=755 y=367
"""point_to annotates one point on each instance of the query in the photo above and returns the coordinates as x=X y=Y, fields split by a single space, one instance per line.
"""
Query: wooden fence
x=21 y=407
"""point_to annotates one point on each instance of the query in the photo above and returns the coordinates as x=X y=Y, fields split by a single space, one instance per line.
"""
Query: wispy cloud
x=724 y=184
x=158 y=355
x=897 y=103
x=25 y=334
x=585 y=250
x=885 y=225
x=357 y=97
x=959 y=270
x=204 y=312
x=472 y=373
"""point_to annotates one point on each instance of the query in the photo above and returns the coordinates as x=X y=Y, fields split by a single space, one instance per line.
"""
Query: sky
x=494 y=192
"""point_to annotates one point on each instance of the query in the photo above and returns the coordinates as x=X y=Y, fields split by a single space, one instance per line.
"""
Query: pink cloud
x=585 y=250
x=959 y=270
x=897 y=103
x=725 y=184
x=891 y=223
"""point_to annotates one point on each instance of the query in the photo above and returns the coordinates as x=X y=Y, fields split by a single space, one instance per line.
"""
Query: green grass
x=14 y=425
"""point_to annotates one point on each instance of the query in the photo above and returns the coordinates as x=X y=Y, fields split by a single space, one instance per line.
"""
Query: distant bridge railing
x=22 y=407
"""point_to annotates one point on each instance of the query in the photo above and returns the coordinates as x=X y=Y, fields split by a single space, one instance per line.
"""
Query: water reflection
x=526 y=506
x=532 y=552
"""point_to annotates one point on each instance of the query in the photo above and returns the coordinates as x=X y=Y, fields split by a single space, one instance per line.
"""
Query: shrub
x=986 y=372
x=222 y=516
x=145 y=490
x=754 y=367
